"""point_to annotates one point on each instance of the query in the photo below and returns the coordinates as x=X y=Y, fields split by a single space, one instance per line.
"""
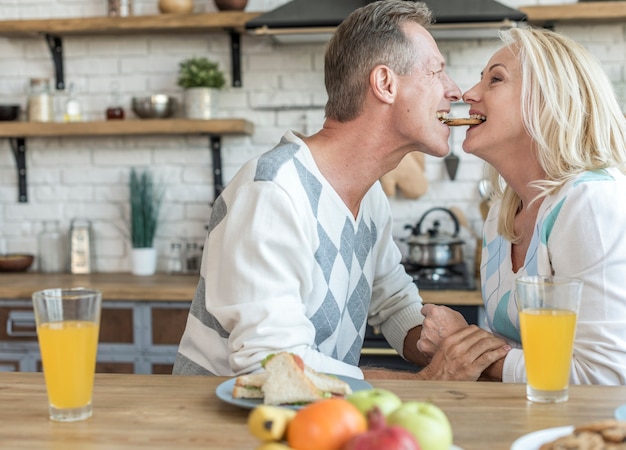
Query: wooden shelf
x=127 y=128
x=594 y=11
x=84 y=26
x=17 y=132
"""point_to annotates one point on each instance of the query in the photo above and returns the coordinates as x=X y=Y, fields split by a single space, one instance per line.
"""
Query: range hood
x=318 y=18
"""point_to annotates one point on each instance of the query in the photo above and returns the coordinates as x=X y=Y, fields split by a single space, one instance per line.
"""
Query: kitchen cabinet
x=143 y=319
x=54 y=29
x=135 y=336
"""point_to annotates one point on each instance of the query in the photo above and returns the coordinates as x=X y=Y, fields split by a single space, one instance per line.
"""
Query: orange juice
x=68 y=353
x=547 y=340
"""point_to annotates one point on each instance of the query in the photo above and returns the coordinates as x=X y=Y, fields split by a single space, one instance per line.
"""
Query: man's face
x=422 y=93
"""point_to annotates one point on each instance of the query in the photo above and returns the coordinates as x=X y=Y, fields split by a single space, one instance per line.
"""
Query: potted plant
x=145 y=204
x=201 y=79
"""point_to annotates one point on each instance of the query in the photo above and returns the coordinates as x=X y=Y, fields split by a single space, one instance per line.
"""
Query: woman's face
x=501 y=138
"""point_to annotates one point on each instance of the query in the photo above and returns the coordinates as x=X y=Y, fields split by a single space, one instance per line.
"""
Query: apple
x=381 y=436
x=428 y=423
x=366 y=399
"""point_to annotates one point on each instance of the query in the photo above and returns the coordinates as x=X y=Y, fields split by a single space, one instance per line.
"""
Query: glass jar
x=194 y=257
x=52 y=248
x=115 y=110
x=73 y=108
x=120 y=8
x=176 y=260
x=40 y=101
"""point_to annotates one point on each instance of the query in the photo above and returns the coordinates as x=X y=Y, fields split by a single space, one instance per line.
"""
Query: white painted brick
x=87 y=177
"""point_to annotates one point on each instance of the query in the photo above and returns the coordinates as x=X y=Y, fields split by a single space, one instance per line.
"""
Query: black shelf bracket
x=19 y=151
x=235 y=57
x=55 y=43
x=216 y=159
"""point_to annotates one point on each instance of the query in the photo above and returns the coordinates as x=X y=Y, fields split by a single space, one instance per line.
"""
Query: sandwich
x=286 y=380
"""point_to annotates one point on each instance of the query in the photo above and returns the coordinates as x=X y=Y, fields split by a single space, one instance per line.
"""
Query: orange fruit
x=325 y=425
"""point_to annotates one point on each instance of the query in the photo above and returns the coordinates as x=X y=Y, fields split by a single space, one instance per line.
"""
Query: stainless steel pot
x=435 y=248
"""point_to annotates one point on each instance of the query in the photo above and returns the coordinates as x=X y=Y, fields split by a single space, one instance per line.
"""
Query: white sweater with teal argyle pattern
x=580 y=232
x=287 y=267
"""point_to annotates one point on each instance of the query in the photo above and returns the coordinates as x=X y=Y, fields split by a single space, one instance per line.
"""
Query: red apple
x=380 y=436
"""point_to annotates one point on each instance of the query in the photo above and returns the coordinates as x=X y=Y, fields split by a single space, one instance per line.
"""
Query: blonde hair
x=570 y=110
x=370 y=36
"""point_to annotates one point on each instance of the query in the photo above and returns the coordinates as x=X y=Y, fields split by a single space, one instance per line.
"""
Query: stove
x=454 y=277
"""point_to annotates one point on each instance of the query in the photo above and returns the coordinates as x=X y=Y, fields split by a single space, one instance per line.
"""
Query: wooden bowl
x=15 y=262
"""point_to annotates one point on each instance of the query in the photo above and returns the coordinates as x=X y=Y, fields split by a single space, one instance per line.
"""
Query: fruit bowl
x=158 y=106
x=15 y=262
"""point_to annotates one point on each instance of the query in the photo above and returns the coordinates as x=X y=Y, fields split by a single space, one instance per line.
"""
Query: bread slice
x=287 y=382
x=249 y=386
x=329 y=384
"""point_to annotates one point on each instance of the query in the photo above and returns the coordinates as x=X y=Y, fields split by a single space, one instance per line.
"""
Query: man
x=300 y=254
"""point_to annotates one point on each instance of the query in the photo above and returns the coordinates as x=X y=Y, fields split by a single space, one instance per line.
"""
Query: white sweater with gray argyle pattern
x=287 y=267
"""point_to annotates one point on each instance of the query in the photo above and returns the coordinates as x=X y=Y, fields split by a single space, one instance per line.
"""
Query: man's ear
x=383 y=82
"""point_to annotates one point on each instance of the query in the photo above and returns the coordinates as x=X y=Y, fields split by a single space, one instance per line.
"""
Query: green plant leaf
x=145 y=205
x=200 y=72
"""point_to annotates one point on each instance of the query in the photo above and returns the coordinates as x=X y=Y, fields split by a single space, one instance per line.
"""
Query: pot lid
x=434 y=237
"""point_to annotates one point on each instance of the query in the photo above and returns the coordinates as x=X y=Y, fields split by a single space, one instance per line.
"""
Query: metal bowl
x=9 y=112
x=15 y=262
x=158 y=106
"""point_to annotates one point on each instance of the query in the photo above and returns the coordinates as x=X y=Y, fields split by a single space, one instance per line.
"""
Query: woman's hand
x=439 y=323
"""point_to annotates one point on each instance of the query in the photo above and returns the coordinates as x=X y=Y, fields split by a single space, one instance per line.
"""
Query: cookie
x=602 y=435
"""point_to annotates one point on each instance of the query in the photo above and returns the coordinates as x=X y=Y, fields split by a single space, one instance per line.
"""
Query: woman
x=555 y=140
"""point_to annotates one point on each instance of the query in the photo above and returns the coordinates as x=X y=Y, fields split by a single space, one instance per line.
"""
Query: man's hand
x=439 y=323
x=464 y=355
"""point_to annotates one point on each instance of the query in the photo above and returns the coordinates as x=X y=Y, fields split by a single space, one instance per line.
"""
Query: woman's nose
x=469 y=96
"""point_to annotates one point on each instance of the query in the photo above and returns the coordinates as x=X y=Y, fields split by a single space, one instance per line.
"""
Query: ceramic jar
x=176 y=6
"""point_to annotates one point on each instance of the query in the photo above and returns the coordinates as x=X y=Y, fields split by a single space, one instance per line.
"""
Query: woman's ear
x=383 y=82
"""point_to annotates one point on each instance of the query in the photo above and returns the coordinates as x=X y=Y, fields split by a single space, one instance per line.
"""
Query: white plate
x=620 y=413
x=532 y=441
x=225 y=392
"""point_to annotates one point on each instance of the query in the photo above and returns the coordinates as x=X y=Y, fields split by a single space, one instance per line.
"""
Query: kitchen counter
x=161 y=287
x=166 y=412
x=143 y=317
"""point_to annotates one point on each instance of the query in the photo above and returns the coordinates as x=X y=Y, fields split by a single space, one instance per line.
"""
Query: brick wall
x=87 y=177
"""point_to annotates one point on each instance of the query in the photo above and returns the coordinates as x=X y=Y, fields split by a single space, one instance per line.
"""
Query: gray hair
x=370 y=36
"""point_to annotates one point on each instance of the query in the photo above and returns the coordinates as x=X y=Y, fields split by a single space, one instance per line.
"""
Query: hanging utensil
x=486 y=193
x=452 y=164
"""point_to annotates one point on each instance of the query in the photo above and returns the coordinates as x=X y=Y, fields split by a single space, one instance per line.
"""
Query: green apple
x=366 y=399
x=428 y=423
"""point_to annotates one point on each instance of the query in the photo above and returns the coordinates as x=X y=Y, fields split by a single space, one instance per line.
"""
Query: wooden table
x=175 y=412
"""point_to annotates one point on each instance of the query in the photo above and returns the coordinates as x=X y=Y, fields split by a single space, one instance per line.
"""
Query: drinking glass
x=68 y=322
x=548 y=309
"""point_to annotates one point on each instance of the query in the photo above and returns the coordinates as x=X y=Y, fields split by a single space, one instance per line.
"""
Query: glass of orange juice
x=548 y=308
x=68 y=321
